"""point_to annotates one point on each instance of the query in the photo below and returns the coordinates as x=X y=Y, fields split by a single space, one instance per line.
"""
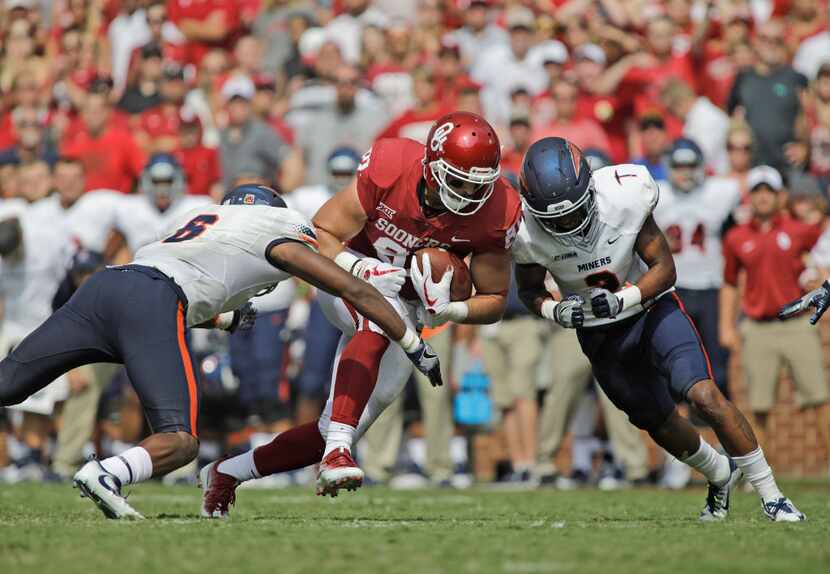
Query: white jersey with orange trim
x=625 y=196
x=218 y=254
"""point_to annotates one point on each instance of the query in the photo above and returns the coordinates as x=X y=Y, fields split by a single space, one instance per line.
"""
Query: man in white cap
x=769 y=249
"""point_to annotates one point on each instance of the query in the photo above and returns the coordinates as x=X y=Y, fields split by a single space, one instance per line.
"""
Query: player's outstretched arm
x=818 y=298
x=323 y=273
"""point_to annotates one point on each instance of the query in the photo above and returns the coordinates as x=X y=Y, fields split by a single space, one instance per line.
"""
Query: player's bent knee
x=179 y=447
x=708 y=400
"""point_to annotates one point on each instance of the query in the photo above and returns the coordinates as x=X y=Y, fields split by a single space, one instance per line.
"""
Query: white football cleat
x=338 y=470
x=104 y=489
x=717 y=499
x=218 y=491
x=782 y=510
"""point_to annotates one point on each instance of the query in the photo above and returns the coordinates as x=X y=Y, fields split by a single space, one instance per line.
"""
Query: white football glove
x=434 y=296
x=605 y=304
x=568 y=313
x=386 y=278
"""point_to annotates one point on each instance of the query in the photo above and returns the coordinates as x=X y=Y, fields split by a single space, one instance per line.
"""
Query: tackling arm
x=321 y=272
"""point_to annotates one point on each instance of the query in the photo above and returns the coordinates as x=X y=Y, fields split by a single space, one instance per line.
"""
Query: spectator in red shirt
x=158 y=130
x=584 y=132
x=206 y=24
x=200 y=163
x=769 y=250
x=112 y=159
x=416 y=122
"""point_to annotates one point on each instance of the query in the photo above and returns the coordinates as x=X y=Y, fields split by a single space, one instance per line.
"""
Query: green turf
x=46 y=529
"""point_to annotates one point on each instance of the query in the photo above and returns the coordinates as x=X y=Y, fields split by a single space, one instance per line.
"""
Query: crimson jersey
x=387 y=185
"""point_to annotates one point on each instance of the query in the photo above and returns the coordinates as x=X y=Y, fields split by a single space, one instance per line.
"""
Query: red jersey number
x=674 y=234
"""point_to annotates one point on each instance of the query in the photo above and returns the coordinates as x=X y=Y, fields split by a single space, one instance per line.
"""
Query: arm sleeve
x=734 y=99
x=284 y=225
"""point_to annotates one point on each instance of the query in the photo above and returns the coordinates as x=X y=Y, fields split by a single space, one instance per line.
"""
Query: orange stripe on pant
x=192 y=391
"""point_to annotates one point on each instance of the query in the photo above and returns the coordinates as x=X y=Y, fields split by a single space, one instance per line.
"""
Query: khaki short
x=511 y=352
x=769 y=345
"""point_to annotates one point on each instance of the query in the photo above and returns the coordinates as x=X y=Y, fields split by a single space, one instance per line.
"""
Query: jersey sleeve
x=820 y=253
x=380 y=168
x=281 y=226
x=626 y=196
x=522 y=248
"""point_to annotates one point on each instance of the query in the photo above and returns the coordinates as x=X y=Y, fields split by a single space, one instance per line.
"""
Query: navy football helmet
x=686 y=165
x=250 y=194
x=163 y=180
x=557 y=188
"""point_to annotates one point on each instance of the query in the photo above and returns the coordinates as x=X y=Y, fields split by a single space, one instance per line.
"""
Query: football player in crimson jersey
x=594 y=232
x=405 y=196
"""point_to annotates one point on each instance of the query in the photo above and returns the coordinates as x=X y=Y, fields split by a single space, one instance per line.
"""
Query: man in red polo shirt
x=111 y=157
x=769 y=250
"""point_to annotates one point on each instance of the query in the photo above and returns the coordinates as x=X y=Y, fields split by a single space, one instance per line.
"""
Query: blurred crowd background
x=116 y=115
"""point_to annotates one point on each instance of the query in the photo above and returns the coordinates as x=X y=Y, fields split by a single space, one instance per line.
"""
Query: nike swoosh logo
x=459 y=239
x=614 y=240
x=428 y=355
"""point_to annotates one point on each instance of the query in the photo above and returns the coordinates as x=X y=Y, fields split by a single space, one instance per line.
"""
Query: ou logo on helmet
x=440 y=136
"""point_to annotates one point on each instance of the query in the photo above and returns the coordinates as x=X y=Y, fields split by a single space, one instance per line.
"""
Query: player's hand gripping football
x=434 y=296
x=423 y=357
x=818 y=298
x=604 y=303
x=386 y=278
x=569 y=312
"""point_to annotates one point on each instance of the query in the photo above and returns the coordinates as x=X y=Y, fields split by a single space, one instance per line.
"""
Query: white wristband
x=630 y=296
x=346 y=260
x=456 y=311
x=224 y=320
x=548 y=308
x=410 y=341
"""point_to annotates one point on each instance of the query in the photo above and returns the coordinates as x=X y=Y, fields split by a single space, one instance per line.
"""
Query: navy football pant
x=134 y=316
x=257 y=360
x=321 y=338
x=646 y=362
x=703 y=306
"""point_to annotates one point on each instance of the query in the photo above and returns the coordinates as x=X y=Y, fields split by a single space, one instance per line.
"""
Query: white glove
x=568 y=313
x=437 y=306
x=386 y=278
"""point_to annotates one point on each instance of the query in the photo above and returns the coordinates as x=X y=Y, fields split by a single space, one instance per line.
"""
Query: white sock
x=759 y=474
x=241 y=467
x=711 y=464
x=131 y=466
x=339 y=435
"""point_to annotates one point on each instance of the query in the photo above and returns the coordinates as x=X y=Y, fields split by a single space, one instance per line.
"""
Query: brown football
x=440 y=260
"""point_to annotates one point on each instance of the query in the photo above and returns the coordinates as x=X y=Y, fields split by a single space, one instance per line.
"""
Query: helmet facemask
x=463 y=192
x=571 y=223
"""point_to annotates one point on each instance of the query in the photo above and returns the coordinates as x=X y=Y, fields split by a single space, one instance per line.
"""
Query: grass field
x=46 y=529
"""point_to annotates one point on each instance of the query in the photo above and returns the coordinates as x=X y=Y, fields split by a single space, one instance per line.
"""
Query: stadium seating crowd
x=291 y=93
